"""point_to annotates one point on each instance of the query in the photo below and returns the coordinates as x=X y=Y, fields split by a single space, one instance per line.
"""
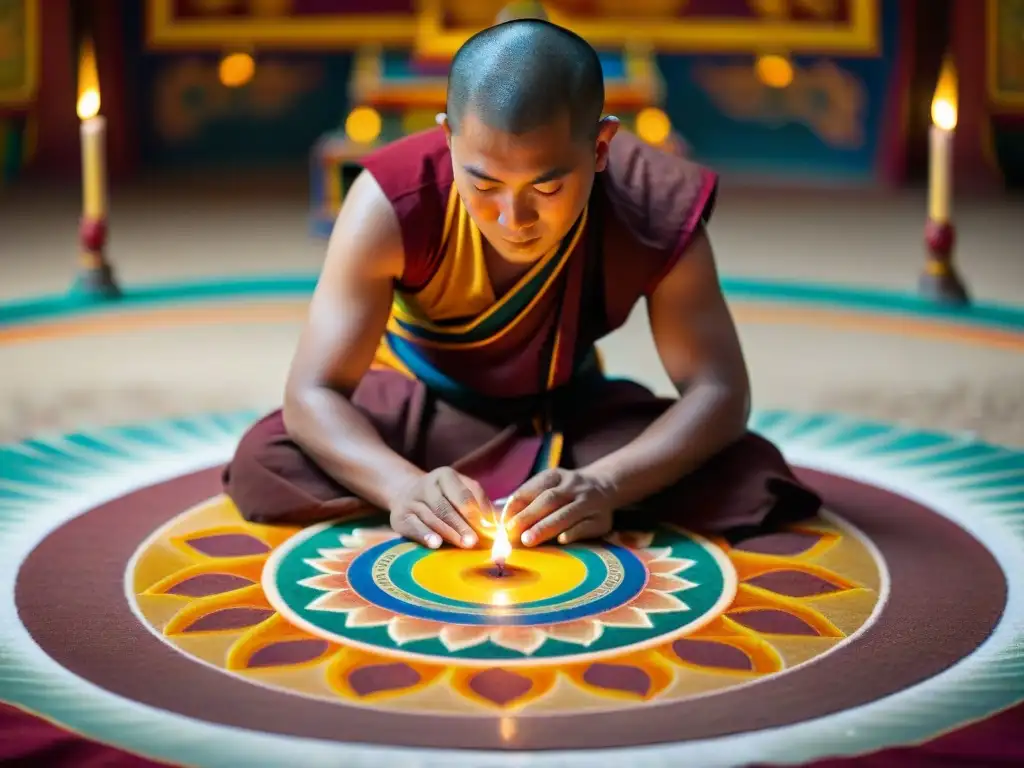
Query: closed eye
x=549 y=189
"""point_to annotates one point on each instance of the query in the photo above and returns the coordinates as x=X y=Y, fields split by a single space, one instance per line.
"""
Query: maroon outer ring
x=930 y=621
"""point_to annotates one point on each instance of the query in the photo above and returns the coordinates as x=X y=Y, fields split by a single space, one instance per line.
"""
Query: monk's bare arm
x=700 y=349
x=347 y=317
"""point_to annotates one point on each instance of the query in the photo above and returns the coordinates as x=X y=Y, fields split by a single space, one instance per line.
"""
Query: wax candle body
x=940 y=174
x=94 y=182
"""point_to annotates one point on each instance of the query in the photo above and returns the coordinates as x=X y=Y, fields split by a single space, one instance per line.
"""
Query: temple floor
x=186 y=229
x=142 y=619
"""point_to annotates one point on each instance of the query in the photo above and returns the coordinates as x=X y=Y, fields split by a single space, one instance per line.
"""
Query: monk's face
x=525 y=192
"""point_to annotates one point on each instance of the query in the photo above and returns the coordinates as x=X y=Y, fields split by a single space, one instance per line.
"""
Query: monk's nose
x=517 y=214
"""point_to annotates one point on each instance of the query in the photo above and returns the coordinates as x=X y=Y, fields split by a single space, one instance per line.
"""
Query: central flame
x=502 y=547
x=88 y=104
x=944 y=102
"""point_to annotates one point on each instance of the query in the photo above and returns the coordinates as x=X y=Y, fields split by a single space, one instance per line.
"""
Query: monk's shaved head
x=523 y=75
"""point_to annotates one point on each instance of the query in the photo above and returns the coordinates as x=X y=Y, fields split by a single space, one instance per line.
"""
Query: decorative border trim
x=163 y=31
x=425 y=28
x=860 y=37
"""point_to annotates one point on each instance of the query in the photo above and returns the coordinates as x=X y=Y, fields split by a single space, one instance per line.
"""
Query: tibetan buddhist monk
x=449 y=361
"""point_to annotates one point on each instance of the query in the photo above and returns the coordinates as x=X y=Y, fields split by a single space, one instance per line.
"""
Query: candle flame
x=944 y=102
x=88 y=104
x=88 y=83
x=502 y=547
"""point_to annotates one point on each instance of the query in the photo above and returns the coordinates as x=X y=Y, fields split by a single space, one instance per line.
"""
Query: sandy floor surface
x=192 y=229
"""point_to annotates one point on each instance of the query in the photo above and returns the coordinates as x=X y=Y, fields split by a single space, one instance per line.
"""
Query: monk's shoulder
x=653 y=197
x=415 y=175
x=653 y=204
x=417 y=165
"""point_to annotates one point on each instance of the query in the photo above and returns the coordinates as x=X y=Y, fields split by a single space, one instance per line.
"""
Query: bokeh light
x=774 y=71
x=653 y=125
x=236 y=70
x=363 y=125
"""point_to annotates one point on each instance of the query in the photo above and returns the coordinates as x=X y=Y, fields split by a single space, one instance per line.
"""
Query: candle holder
x=940 y=280
x=95 y=276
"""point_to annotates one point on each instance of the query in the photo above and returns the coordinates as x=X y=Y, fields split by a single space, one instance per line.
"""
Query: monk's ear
x=441 y=119
x=606 y=131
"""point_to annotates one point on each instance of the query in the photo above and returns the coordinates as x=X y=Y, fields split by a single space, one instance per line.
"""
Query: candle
x=940 y=280
x=93 y=135
x=96 y=276
x=940 y=172
x=94 y=183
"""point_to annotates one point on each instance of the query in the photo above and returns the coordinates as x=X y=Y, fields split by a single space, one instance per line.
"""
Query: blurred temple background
x=829 y=91
x=863 y=144
x=169 y=173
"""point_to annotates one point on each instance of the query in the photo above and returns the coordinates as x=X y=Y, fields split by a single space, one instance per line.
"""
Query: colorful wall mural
x=792 y=89
x=231 y=106
x=816 y=115
x=812 y=103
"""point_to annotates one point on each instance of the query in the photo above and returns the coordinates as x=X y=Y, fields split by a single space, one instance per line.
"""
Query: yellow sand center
x=470 y=576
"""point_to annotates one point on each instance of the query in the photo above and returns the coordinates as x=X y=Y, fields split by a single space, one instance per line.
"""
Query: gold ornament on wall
x=254 y=7
x=270 y=7
x=784 y=9
x=641 y=8
x=214 y=7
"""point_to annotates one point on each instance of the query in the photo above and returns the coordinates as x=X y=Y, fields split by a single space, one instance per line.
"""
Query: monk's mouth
x=523 y=244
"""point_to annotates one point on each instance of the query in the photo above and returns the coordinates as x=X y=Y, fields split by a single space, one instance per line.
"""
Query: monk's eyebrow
x=480 y=174
x=552 y=175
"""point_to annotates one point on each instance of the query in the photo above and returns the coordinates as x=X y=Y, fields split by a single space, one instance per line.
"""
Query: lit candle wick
x=502 y=547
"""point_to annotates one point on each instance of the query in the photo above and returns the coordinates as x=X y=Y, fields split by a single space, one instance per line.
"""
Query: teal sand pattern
x=48 y=481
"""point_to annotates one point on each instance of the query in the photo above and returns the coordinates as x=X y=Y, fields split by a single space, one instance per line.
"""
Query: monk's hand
x=439 y=507
x=569 y=505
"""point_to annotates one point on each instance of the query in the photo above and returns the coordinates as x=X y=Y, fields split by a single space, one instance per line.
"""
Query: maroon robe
x=643 y=212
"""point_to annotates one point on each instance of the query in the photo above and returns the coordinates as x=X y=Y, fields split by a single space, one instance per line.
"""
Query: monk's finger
x=410 y=526
x=550 y=526
x=528 y=493
x=446 y=501
x=425 y=512
x=547 y=504
x=484 y=508
x=587 y=528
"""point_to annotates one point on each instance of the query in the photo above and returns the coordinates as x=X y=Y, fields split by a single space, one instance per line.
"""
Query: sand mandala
x=348 y=610
x=145 y=613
